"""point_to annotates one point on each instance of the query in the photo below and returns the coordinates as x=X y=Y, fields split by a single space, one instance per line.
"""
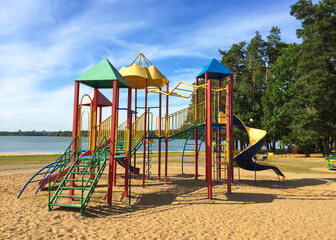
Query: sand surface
x=301 y=207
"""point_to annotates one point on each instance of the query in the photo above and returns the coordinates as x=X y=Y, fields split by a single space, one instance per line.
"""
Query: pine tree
x=273 y=48
x=235 y=58
x=314 y=114
x=255 y=77
x=276 y=119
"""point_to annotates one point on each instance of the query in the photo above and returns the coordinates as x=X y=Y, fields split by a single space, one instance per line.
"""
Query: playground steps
x=88 y=171
x=219 y=160
x=219 y=150
x=67 y=205
x=120 y=150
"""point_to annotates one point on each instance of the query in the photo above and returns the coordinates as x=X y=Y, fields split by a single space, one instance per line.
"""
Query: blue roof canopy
x=215 y=70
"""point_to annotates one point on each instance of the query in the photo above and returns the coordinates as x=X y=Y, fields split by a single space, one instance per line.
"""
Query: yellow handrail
x=176 y=88
x=90 y=127
x=184 y=119
x=104 y=129
x=138 y=131
x=80 y=133
x=122 y=130
x=191 y=92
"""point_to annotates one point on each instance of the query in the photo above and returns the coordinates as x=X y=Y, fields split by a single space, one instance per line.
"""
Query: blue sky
x=45 y=45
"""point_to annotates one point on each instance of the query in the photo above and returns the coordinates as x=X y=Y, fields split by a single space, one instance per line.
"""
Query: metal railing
x=175 y=123
x=138 y=131
x=184 y=119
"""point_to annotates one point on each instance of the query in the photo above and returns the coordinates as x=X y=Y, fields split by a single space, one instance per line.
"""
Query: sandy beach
x=301 y=207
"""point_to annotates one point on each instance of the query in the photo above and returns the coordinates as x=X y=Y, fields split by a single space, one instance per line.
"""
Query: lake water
x=46 y=144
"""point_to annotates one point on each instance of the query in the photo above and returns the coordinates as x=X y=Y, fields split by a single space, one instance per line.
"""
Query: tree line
x=41 y=133
x=289 y=89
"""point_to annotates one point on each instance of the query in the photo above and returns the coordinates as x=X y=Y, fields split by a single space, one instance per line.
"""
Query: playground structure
x=114 y=142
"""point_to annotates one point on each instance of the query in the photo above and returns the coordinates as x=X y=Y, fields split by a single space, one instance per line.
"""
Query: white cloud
x=42 y=52
x=16 y=16
x=183 y=70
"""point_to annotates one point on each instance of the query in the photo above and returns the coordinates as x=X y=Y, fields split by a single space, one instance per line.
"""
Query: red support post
x=100 y=120
x=228 y=138
x=112 y=141
x=166 y=129
x=128 y=156
x=159 y=156
x=231 y=123
x=74 y=131
x=115 y=161
x=94 y=116
x=100 y=114
x=196 y=132
x=219 y=139
x=144 y=139
x=208 y=135
x=135 y=118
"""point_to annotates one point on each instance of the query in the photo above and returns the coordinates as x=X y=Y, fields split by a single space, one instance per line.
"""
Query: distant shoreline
x=41 y=133
x=54 y=153
x=28 y=154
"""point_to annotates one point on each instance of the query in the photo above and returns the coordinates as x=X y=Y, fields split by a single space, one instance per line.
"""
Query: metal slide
x=122 y=162
x=257 y=138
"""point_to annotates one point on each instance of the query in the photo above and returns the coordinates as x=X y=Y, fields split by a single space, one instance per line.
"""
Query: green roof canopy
x=102 y=75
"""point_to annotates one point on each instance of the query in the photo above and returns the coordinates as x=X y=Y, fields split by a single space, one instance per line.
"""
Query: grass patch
x=27 y=159
x=299 y=167
x=174 y=158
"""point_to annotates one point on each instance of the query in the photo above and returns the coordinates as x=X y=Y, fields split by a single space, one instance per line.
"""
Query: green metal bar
x=91 y=163
x=66 y=156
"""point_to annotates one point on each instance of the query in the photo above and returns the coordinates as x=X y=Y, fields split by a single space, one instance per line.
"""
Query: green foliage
x=43 y=133
x=235 y=58
x=61 y=134
x=314 y=100
x=289 y=89
x=25 y=133
x=248 y=65
x=276 y=117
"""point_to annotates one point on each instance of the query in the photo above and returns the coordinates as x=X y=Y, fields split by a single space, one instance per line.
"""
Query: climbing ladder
x=219 y=146
x=219 y=160
x=88 y=170
x=189 y=145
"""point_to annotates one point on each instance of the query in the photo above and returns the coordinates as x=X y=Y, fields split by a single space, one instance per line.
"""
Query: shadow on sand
x=287 y=184
x=162 y=200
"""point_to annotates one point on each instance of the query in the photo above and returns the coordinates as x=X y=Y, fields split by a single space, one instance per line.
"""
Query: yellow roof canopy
x=136 y=74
